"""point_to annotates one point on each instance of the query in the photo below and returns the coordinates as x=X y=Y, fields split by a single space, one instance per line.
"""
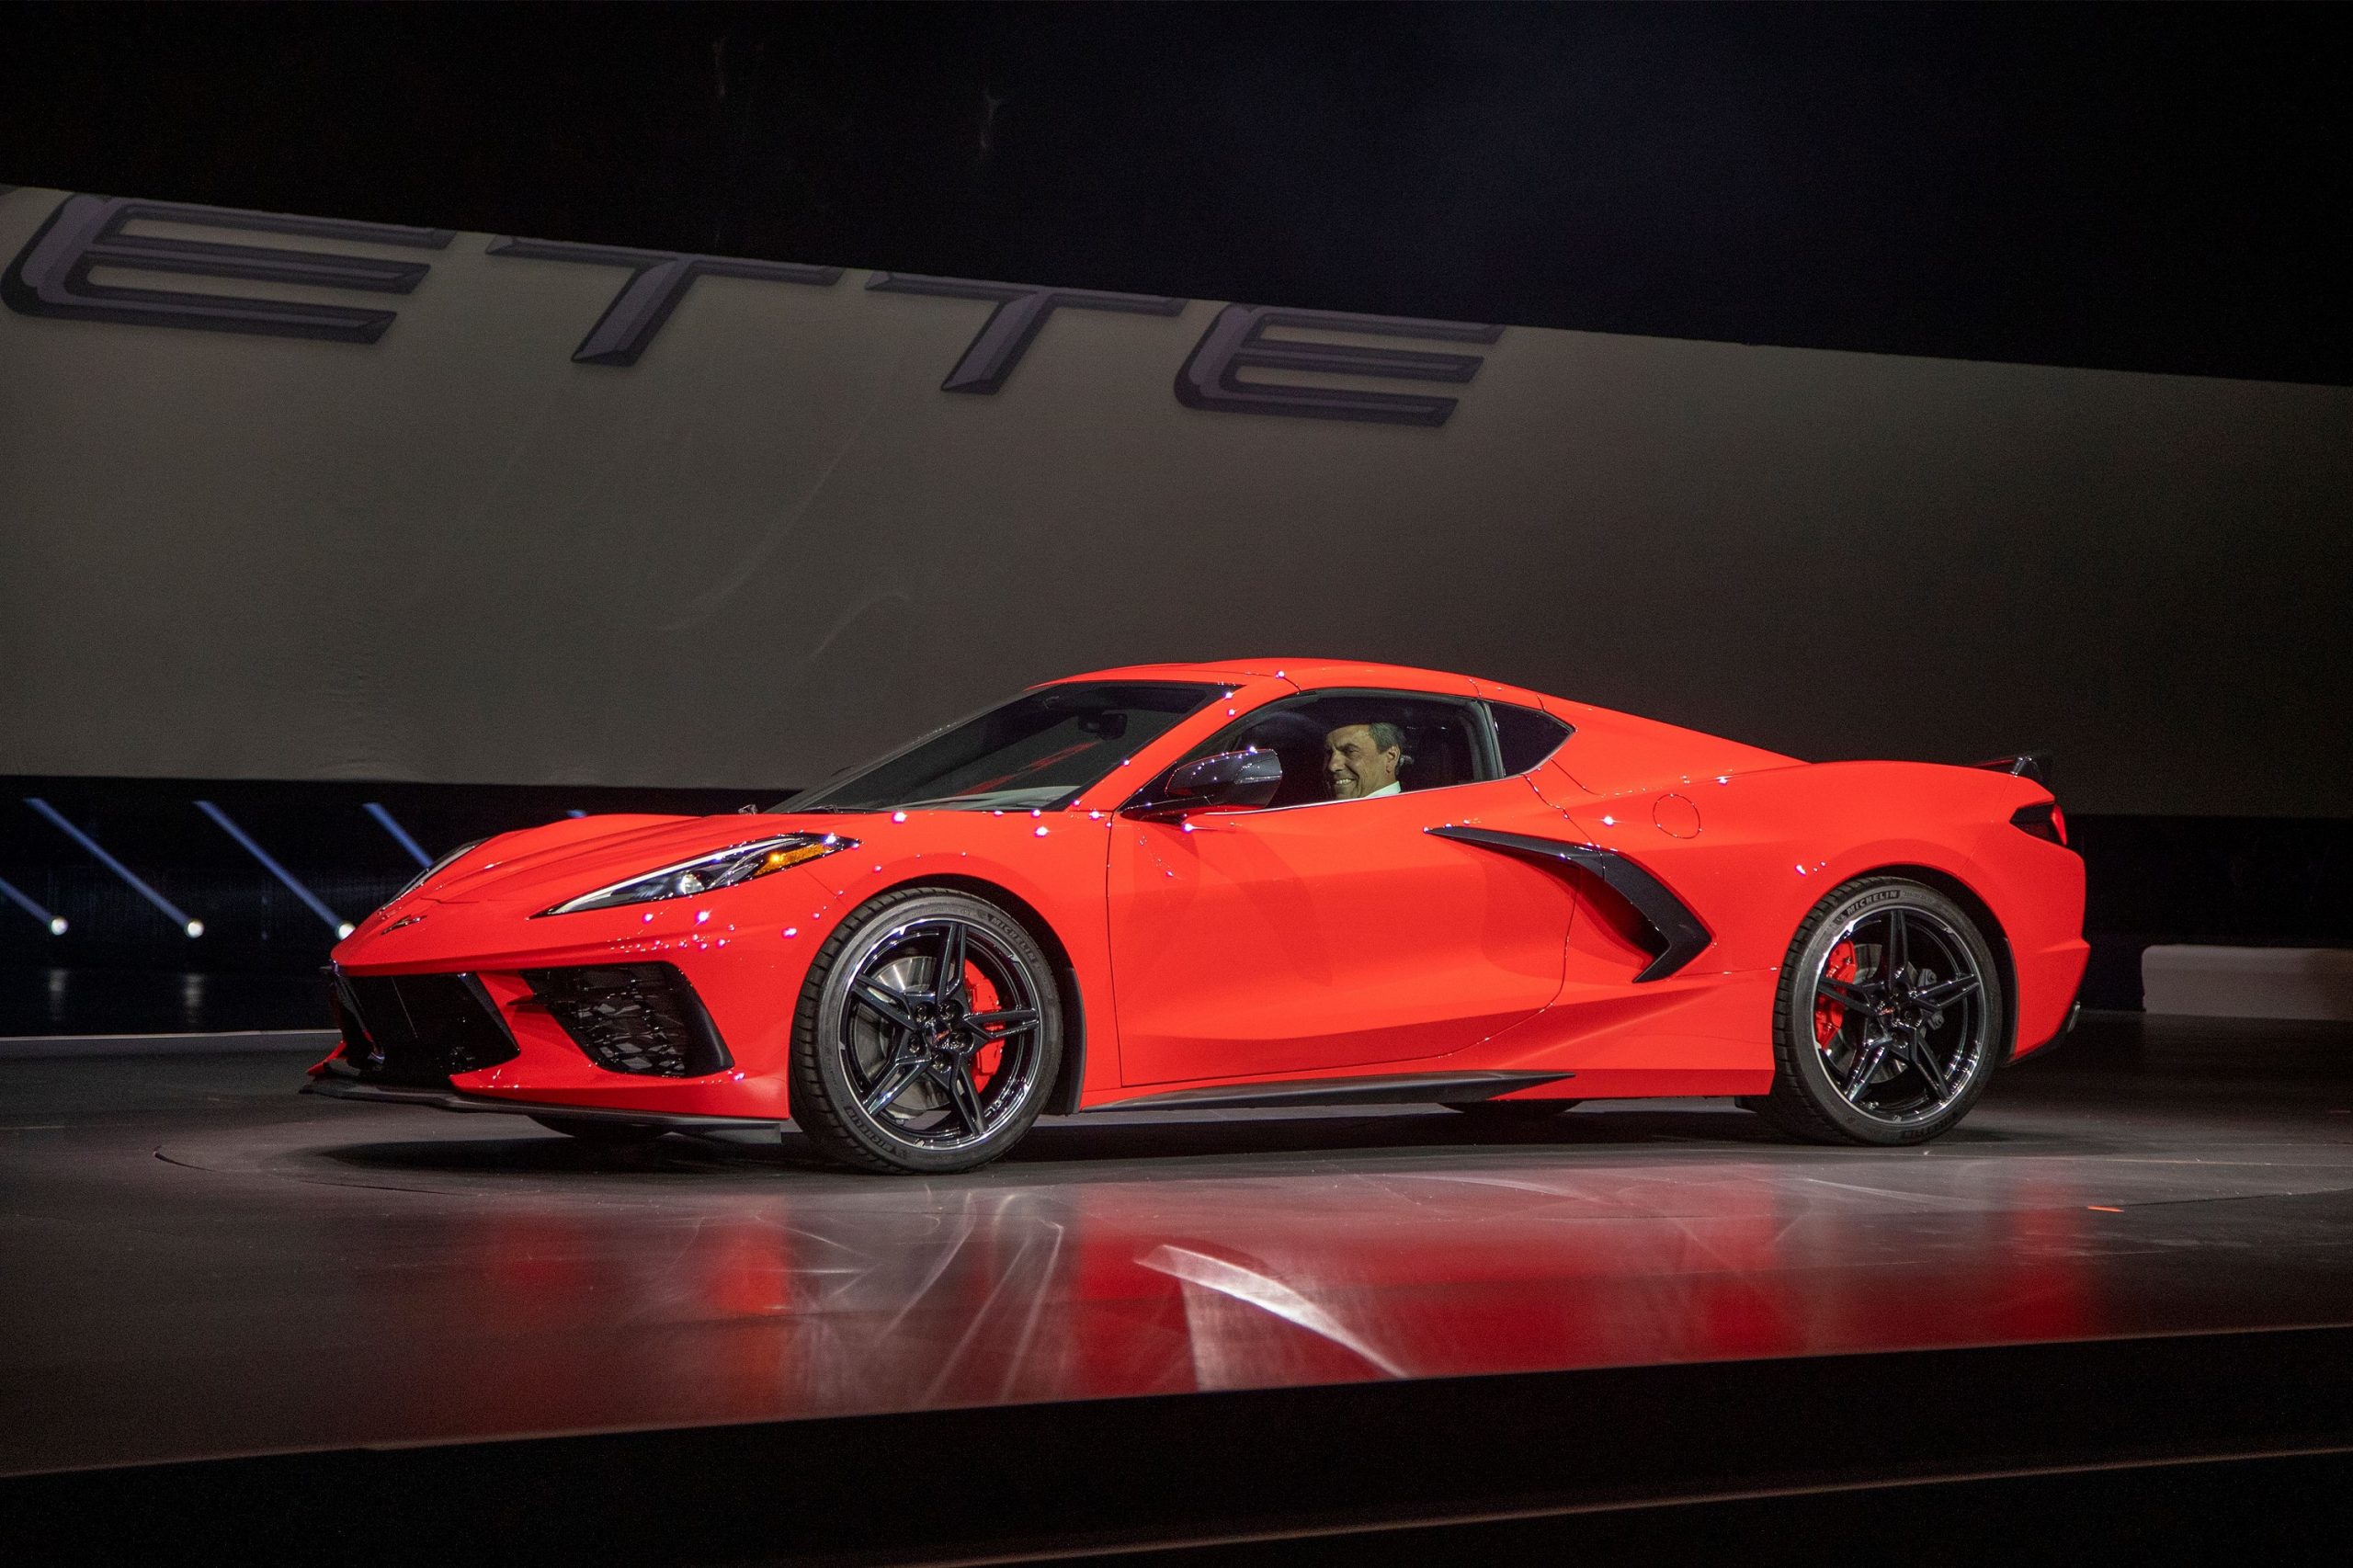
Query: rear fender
x=1753 y=853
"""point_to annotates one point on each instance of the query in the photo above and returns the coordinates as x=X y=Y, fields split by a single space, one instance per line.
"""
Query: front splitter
x=456 y=1099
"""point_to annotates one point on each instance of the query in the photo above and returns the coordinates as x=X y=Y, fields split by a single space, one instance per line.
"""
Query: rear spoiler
x=2034 y=765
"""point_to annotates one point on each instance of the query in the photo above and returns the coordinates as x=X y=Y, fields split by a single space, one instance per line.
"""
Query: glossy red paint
x=1309 y=941
x=1337 y=936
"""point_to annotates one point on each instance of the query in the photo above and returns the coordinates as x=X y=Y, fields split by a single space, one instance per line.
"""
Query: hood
x=563 y=859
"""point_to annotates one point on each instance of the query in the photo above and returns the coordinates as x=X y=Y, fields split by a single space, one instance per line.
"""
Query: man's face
x=1355 y=764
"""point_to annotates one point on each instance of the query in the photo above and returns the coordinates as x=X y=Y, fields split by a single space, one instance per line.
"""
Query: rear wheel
x=1889 y=1020
x=928 y=1035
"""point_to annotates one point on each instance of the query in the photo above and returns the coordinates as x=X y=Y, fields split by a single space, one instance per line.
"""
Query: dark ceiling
x=2148 y=187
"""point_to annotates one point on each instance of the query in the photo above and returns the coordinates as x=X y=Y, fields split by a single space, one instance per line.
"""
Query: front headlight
x=720 y=869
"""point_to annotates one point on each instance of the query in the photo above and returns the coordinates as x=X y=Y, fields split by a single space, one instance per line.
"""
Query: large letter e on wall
x=50 y=276
x=1237 y=340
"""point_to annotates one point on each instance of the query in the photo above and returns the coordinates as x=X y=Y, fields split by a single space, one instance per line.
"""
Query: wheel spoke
x=964 y=1093
x=900 y=1077
x=890 y=1005
x=1892 y=956
x=1867 y=1061
x=947 y=979
x=1015 y=1019
x=1846 y=993
x=1948 y=992
x=1925 y=1060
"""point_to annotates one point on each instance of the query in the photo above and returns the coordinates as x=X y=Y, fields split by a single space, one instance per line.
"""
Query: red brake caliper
x=984 y=999
x=1829 y=1015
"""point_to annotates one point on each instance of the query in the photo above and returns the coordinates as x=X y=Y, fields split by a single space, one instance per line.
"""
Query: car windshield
x=1038 y=752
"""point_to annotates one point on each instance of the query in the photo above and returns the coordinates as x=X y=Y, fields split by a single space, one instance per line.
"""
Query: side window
x=1341 y=746
x=1525 y=737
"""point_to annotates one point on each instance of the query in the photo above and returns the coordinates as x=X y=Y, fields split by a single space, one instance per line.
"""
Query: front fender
x=1054 y=862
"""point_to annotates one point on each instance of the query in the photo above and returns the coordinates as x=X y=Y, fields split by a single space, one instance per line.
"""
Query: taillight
x=2043 y=819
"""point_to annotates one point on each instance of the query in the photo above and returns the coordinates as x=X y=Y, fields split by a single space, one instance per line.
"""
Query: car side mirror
x=1229 y=779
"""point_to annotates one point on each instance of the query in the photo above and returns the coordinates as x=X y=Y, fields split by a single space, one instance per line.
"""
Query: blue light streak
x=56 y=923
x=57 y=820
x=400 y=834
x=335 y=921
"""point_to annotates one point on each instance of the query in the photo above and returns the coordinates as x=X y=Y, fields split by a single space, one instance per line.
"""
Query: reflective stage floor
x=195 y=1262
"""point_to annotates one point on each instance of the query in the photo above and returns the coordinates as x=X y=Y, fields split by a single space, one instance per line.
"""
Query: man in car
x=1361 y=761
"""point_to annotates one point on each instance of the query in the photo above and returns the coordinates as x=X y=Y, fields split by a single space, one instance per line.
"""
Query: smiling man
x=1361 y=760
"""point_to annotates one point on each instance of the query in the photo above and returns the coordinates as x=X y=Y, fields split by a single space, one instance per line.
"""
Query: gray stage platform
x=196 y=1262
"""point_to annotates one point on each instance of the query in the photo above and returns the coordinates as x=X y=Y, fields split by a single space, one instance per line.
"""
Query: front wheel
x=928 y=1035
x=1889 y=1022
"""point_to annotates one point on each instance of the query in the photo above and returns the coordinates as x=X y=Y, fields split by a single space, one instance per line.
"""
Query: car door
x=1329 y=935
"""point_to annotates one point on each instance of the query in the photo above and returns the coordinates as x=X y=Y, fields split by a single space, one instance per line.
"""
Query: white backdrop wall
x=775 y=543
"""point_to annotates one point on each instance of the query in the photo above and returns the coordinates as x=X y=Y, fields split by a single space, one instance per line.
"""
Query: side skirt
x=1417 y=1089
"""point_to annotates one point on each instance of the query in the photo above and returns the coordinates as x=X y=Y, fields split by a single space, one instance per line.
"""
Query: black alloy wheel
x=928 y=1035
x=1890 y=1018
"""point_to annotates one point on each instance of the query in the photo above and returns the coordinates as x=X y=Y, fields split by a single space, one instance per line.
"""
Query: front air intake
x=418 y=1030
x=633 y=1017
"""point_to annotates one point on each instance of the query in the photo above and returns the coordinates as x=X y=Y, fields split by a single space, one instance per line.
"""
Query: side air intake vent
x=633 y=1017
x=2042 y=820
x=1677 y=936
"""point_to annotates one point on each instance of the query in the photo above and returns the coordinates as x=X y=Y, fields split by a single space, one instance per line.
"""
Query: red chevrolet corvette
x=1260 y=883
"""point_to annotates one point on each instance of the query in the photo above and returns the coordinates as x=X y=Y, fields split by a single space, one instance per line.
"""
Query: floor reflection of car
x=1281 y=882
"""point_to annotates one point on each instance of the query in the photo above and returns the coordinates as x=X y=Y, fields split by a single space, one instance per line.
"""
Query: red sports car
x=1268 y=883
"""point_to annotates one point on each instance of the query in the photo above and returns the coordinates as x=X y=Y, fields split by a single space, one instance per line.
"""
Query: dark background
x=2153 y=188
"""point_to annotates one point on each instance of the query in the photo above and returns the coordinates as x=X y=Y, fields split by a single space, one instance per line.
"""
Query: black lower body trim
x=2045 y=1047
x=456 y=1099
x=1417 y=1089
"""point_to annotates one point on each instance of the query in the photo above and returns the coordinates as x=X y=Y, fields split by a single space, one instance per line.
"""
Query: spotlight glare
x=400 y=834
x=310 y=900
x=57 y=926
x=342 y=930
x=57 y=819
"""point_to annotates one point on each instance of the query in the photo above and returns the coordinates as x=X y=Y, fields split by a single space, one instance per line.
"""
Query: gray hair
x=1386 y=736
